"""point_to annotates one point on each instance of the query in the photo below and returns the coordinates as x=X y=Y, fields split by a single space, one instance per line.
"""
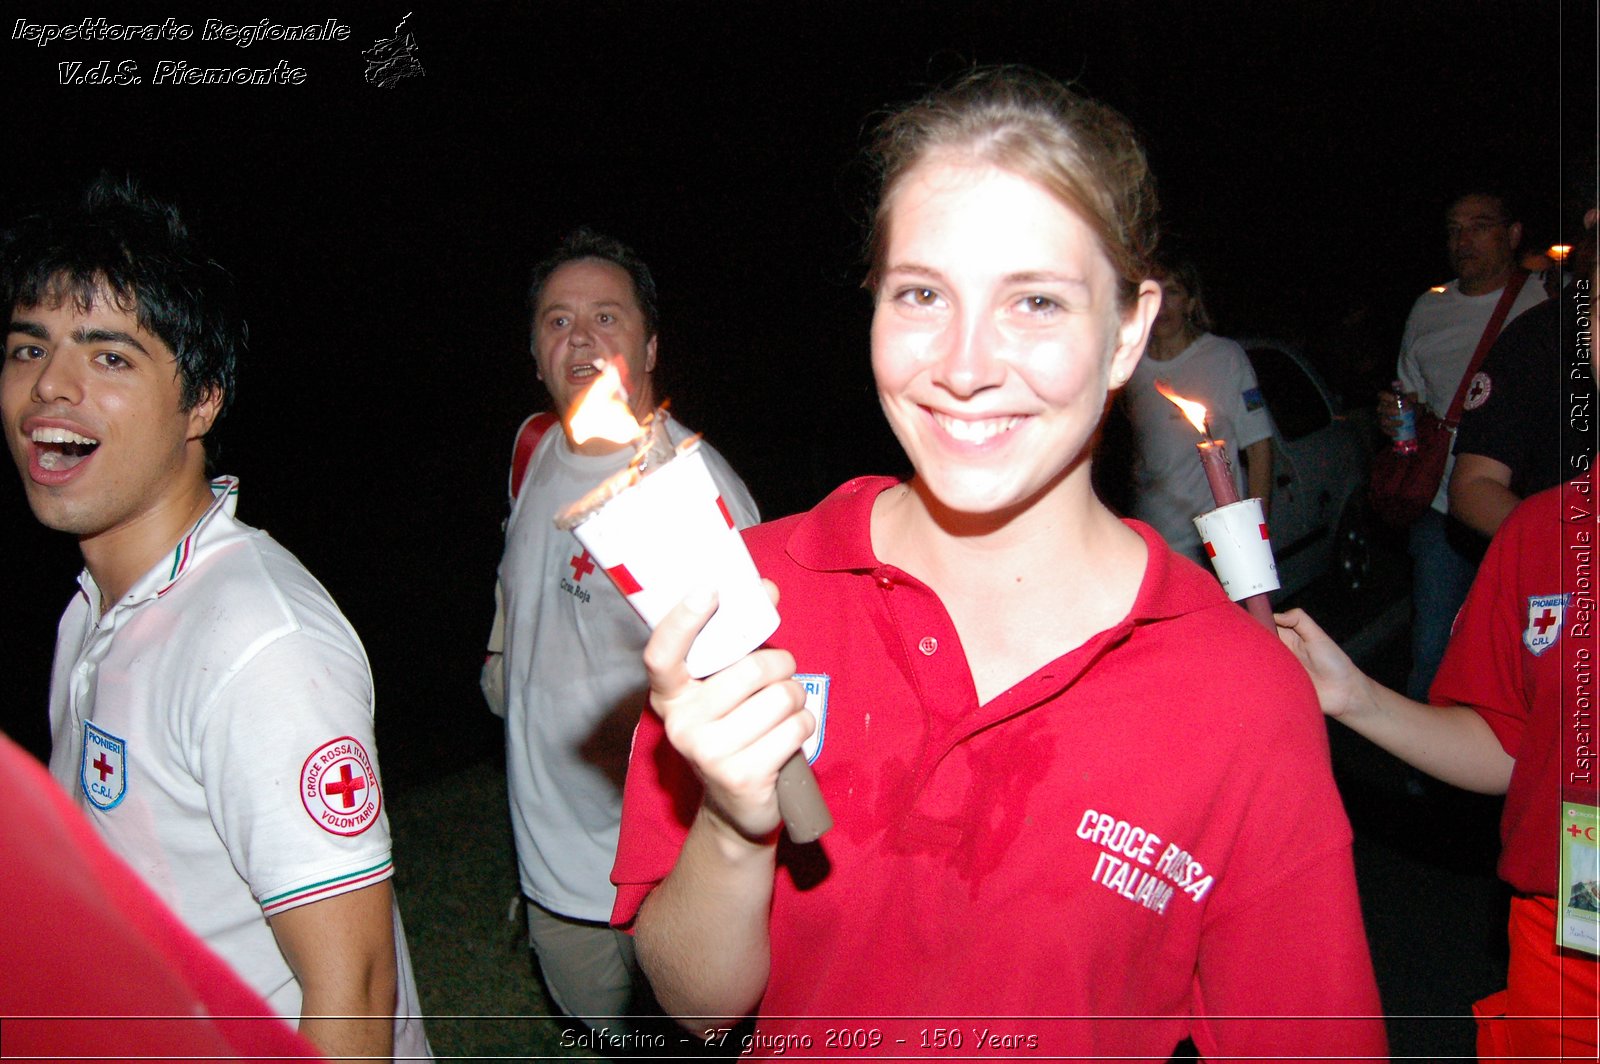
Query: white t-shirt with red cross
x=216 y=726
x=1437 y=346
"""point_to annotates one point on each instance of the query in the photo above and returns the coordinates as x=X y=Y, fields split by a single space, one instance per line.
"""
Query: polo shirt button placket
x=82 y=681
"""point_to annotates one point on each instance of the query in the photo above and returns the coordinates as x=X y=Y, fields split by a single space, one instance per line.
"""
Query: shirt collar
x=165 y=575
x=836 y=536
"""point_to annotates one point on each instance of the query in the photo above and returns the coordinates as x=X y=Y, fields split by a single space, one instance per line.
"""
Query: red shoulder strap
x=1508 y=296
x=528 y=437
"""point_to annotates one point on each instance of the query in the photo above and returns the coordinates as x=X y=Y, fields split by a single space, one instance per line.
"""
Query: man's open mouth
x=61 y=449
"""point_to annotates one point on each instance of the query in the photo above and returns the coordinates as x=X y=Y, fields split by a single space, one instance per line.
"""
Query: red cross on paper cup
x=670 y=534
x=1236 y=541
x=624 y=580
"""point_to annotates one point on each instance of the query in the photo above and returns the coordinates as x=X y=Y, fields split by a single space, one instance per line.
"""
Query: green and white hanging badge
x=1578 y=886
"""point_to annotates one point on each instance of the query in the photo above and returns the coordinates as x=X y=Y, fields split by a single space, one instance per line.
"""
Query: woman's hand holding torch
x=738 y=728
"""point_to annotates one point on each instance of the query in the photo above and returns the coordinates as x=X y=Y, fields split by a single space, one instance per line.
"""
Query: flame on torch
x=1195 y=412
x=602 y=412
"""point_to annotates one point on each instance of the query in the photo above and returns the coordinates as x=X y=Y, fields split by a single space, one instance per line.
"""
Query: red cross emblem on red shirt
x=581 y=566
x=1546 y=615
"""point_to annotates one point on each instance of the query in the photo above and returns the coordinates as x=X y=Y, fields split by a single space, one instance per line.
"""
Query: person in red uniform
x=1503 y=710
x=1068 y=777
x=1511 y=713
x=97 y=967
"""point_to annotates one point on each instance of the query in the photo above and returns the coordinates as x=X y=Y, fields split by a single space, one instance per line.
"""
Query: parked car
x=1319 y=522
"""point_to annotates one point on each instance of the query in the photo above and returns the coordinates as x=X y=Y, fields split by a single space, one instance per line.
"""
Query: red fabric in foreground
x=96 y=967
x=1551 y=1005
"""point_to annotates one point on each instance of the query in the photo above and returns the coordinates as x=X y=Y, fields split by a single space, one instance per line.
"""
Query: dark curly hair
x=121 y=243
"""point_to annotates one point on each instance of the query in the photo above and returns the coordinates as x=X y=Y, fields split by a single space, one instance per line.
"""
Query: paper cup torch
x=660 y=530
x=1235 y=533
x=1235 y=538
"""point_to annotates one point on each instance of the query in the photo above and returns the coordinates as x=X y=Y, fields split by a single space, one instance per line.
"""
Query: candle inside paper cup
x=669 y=533
x=1235 y=538
x=1219 y=474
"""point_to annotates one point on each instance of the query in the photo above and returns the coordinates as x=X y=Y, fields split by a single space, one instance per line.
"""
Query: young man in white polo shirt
x=210 y=708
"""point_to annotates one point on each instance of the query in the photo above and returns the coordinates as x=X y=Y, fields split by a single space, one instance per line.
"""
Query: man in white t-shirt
x=210 y=708
x=571 y=664
x=1440 y=336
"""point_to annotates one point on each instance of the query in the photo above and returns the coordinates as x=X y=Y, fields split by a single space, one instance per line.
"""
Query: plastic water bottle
x=1405 y=437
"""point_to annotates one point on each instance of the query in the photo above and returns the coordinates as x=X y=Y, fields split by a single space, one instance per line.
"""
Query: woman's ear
x=1134 y=331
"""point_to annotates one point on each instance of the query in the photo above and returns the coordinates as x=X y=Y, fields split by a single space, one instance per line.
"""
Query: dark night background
x=382 y=237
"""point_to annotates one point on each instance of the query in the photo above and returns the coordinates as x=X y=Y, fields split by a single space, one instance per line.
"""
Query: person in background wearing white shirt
x=570 y=666
x=1481 y=239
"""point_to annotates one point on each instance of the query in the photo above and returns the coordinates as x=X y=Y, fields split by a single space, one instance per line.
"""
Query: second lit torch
x=1235 y=533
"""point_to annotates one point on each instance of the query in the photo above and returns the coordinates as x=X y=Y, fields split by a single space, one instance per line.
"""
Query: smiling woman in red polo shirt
x=1073 y=785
